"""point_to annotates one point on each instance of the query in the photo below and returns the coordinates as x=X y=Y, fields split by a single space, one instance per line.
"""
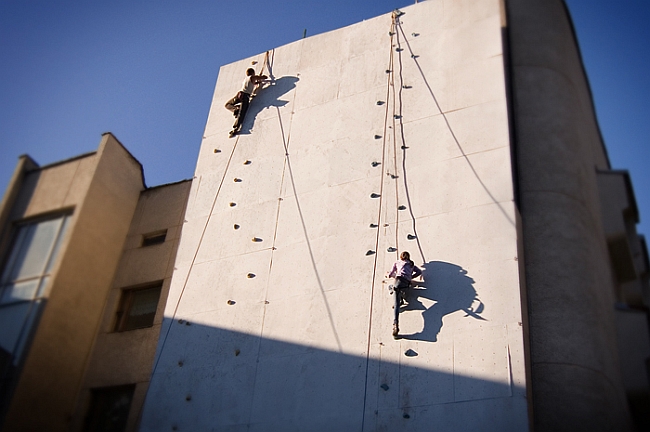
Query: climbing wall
x=384 y=136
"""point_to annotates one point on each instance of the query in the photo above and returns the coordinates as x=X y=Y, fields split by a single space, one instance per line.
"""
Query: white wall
x=307 y=343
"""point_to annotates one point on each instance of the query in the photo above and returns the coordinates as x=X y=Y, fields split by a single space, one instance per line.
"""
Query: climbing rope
x=379 y=218
x=404 y=147
x=451 y=131
x=205 y=226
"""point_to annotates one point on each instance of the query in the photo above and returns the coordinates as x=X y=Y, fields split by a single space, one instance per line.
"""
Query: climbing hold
x=237 y=352
x=181 y=321
x=399 y=49
x=393 y=176
x=247 y=162
x=374 y=226
x=374 y=195
x=411 y=237
x=413 y=56
x=370 y=252
x=279 y=199
x=402 y=207
x=385 y=224
x=391 y=249
x=180 y=363
x=388 y=71
x=380 y=102
x=391 y=33
x=217 y=151
x=403 y=147
x=235 y=226
x=231 y=302
x=187 y=323
x=232 y=204
x=410 y=353
x=384 y=387
x=250 y=275
x=375 y=164
x=266 y=302
x=397 y=116
x=256 y=239
x=406 y=86
x=237 y=180
x=254 y=62
x=406 y=416
x=377 y=136
x=415 y=34
x=188 y=397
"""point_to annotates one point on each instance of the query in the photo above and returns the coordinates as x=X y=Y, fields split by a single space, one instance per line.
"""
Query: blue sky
x=145 y=70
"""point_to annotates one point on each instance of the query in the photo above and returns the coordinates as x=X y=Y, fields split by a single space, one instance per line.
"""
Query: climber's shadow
x=452 y=290
x=268 y=97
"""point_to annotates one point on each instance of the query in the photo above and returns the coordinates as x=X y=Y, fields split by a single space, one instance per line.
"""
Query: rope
x=397 y=251
x=401 y=127
x=198 y=247
x=444 y=116
x=381 y=197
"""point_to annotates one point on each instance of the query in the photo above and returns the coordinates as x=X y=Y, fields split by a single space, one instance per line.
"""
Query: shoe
x=395 y=330
x=232 y=133
x=235 y=113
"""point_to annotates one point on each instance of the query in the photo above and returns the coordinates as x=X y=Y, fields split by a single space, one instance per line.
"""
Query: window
x=109 y=408
x=138 y=307
x=154 y=238
x=24 y=278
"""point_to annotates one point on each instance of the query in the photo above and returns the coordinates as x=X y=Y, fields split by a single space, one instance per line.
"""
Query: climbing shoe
x=395 y=330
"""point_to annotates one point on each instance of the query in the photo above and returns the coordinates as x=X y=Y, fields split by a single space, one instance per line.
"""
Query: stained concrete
x=292 y=331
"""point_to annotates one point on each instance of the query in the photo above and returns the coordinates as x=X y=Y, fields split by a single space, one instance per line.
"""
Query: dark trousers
x=400 y=286
x=239 y=104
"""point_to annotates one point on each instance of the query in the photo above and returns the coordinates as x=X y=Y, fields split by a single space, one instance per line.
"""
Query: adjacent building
x=253 y=297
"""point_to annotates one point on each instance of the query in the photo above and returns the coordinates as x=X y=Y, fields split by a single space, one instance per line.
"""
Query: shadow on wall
x=216 y=379
x=268 y=97
x=452 y=290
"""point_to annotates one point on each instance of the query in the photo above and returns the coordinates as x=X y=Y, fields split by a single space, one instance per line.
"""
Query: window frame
x=126 y=302
x=99 y=396
x=17 y=253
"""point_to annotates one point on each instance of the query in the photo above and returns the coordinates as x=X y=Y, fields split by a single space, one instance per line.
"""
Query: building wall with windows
x=122 y=357
x=97 y=193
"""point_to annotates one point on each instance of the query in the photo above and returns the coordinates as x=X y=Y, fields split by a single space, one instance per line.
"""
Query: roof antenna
x=304 y=33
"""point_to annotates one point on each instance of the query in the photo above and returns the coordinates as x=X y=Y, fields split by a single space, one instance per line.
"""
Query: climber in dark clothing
x=403 y=271
x=238 y=105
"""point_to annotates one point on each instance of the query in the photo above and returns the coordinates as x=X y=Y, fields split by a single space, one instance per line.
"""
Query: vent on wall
x=154 y=238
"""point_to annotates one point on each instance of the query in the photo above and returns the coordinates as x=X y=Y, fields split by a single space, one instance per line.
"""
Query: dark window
x=154 y=238
x=109 y=409
x=138 y=308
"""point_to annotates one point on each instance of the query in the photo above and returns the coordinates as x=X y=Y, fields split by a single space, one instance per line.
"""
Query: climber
x=239 y=104
x=403 y=271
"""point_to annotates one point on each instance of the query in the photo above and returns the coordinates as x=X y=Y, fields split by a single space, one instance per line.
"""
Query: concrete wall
x=102 y=190
x=575 y=367
x=121 y=358
x=277 y=317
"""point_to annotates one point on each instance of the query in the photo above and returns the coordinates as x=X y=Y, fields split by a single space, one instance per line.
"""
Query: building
x=88 y=255
x=461 y=131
